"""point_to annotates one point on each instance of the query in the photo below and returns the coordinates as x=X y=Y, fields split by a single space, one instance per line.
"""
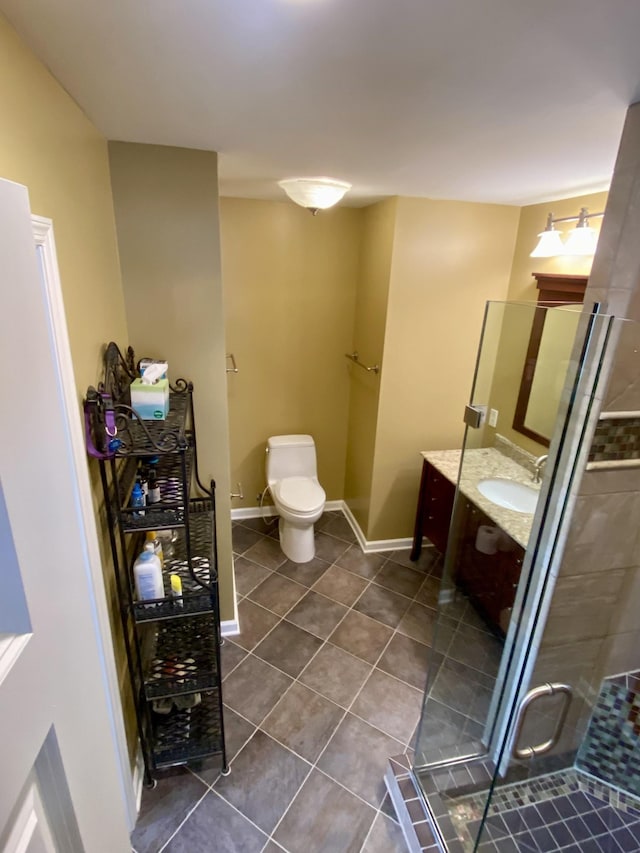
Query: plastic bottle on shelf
x=152 y=536
x=137 y=499
x=143 y=479
x=153 y=494
x=147 y=574
x=176 y=589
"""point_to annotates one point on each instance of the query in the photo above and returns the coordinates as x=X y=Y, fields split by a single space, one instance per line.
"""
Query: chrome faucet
x=537 y=467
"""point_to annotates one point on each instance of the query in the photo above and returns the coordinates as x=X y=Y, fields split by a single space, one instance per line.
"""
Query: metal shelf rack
x=172 y=644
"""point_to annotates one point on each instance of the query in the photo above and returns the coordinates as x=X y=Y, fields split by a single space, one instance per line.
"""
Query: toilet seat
x=300 y=495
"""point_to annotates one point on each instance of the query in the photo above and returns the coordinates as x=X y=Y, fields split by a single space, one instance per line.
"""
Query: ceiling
x=479 y=100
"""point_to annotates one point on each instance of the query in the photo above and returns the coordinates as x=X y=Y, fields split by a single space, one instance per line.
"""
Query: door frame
x=52 y=292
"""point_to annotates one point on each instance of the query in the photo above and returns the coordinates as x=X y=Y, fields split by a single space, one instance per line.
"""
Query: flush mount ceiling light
x=314 y=193
x=581 y=241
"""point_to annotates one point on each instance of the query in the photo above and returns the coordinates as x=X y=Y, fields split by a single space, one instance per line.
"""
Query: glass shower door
x=567 y=775
x=499 y=508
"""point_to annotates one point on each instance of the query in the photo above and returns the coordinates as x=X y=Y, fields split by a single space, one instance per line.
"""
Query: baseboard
x=252 y=512
x=137 y=783
x=229 y=627
x=368 y=546
x=258 y=512
x=372 y=546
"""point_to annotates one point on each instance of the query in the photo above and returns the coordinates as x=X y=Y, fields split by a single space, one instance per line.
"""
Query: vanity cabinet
x=435 y=505
x=490 y=580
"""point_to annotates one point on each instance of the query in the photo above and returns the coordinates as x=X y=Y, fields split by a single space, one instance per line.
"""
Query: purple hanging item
x=100 y=425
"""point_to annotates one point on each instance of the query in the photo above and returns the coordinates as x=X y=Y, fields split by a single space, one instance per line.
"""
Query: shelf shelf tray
x=179 y=657
x=186 y=735
x=169 y=511
x=195 y=599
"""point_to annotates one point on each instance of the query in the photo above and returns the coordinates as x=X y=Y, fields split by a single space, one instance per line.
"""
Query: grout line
x=242 y=814
x=325 y=640
x=209 y=787
x=188 y=815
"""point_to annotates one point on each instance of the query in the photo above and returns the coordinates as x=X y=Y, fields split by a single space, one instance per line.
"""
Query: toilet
x=299 y=498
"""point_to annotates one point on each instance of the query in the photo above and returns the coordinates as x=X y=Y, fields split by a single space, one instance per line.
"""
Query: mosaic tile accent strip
x=616 y=439
x=610 y=750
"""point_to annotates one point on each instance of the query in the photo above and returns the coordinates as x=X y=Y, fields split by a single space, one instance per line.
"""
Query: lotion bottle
x=152 y=536
x=147 y=575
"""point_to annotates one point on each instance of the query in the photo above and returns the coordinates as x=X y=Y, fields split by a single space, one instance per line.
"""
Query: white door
x=62 y=786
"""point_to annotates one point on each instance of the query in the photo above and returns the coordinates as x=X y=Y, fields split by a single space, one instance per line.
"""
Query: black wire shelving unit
x=172 y=644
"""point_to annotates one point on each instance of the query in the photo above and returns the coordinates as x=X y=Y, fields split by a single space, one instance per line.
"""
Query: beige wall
x=166 y=203
x=289 y=290
x=449 y=258
x=378 y=227
x=522 y=287
x=48 y=144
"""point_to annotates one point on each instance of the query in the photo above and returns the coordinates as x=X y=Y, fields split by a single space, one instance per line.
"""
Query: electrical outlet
x=493 y=417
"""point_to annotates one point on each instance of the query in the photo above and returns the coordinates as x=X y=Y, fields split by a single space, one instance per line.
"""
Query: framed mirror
x=538 y=396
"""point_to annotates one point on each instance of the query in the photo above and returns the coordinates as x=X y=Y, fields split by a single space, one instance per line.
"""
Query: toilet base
x=297 y=542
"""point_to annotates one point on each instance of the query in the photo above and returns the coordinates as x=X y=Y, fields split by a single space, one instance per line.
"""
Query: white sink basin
x=509 y=494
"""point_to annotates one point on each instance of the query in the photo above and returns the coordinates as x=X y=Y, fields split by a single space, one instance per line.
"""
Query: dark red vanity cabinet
x=435 y=505
x=490 y=580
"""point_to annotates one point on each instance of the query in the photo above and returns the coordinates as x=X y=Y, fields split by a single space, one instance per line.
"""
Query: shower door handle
x=549 y=689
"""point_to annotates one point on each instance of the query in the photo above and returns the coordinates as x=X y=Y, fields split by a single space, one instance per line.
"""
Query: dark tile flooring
x=323 y=684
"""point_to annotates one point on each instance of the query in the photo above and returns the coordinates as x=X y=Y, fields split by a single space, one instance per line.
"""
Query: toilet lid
x=300 y=494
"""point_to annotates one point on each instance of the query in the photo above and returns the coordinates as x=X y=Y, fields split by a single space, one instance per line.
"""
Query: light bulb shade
x=315 y=193
x=581 y=241
x=549 y=245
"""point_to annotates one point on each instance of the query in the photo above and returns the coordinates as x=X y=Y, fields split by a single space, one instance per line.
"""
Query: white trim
x=252 y=512
x=362 y=542
x=270 y=511
x=369 y=547
x=617 y=416
x=331 y=506
x=11 y=646
x=44 y=238
x=138 y=779
x=231 y=627
x=373 y=546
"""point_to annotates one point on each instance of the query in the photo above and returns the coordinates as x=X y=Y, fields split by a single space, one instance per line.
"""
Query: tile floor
x=323 y=684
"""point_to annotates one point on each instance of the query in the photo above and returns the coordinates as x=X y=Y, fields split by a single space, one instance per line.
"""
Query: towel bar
x=353 y=356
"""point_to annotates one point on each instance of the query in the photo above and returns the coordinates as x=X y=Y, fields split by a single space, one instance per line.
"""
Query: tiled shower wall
x=592 y=628
x=611 y=747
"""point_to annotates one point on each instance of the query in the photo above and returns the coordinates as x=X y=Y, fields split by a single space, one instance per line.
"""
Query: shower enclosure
x=528 y=738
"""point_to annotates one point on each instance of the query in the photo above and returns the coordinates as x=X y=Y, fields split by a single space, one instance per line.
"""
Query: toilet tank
x=290 y=456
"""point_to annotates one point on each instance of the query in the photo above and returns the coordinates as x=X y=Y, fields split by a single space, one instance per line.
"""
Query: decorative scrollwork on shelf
x=119 y=372
x=181 y=386
x=135 y=435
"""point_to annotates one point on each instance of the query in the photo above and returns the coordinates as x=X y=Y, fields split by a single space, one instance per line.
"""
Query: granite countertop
x=481 y=464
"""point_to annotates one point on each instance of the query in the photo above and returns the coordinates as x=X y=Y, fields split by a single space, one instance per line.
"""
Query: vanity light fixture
x=581 y=241
x=315 y=193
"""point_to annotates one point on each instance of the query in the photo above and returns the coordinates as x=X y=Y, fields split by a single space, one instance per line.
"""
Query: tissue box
x=147 y=362
x=151 y=402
